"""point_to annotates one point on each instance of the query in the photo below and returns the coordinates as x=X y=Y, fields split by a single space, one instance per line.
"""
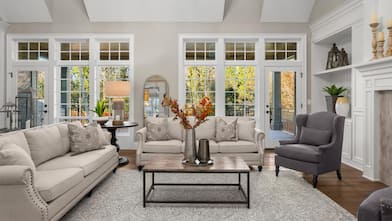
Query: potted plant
x=334 y=92
x=99 y=110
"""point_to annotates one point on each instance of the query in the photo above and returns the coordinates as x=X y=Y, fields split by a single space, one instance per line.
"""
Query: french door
x=30 y=93
x=284 y=98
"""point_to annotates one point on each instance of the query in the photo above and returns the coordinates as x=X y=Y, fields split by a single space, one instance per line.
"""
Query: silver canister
x=203 y=153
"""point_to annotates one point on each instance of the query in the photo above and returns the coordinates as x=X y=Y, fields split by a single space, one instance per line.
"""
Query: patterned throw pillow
x=157 y=129
x=226 y=131
x=83 y=139
x=12 y=154
x=103 y=140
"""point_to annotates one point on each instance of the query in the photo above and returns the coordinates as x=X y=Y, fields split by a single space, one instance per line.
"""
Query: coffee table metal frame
x=146 y=195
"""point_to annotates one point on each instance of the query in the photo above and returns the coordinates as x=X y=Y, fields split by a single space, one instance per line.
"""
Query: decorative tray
x=198 y=163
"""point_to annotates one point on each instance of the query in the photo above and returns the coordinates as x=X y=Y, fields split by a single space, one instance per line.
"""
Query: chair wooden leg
x=277 y=170
x=139 y=168
x=314 y=181
x=339 y=174
x=260 y=168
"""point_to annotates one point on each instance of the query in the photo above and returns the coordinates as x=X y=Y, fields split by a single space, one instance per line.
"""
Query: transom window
x=280 y=50
x=240 y=51
x=33 y=50
x=200 y=50
x=74 y=51
x=113 y=50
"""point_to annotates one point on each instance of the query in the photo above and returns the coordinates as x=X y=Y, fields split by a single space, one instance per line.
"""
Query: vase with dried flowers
x=199 y=112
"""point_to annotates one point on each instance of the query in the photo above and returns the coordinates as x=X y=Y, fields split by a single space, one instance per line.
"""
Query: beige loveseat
x=251 y=149
x=59 y=180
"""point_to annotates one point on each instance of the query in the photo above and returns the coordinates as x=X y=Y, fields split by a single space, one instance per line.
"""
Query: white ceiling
x=24 y=11
x=287 y=11
x=155 y=10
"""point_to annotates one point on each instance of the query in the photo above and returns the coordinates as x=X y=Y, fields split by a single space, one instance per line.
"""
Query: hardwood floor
x=348 y=193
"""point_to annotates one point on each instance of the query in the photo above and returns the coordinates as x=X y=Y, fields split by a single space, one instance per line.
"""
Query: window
x=240 y=90
x=240 y=51
x=74 y=51
x=200 y=82
x=113 y=73
x=200 y=51
x=114 y=50
x=33 y=50
x=279 y=50
x=74 y=92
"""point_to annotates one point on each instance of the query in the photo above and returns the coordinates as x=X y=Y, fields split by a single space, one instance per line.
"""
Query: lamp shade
x=117 y=88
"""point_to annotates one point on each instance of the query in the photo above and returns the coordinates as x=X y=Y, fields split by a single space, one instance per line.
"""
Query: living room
x=195 y=109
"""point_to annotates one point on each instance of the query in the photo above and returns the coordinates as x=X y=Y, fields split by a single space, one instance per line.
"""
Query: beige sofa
x=59 y=181
x=251 y=150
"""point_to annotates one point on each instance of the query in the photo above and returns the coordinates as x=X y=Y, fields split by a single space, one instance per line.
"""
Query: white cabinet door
x=347 y=141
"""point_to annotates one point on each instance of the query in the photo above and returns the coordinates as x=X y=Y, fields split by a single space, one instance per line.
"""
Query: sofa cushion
x=157 y=129
x=226 y=130
x=88 y=161
x=63 y=128
x=163 y=146
x=83 y=139
x=246 y=130
x=240 y=146
x=175 y=129
x=45 y=143
x=206 y=130
x=214 y=146
x=314 y=137
x=301 y=152
x=17 y=138
x=54 y=183
x=12 y=154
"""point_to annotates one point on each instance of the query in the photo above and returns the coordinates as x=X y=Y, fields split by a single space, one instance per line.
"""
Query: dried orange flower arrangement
x=199 y=111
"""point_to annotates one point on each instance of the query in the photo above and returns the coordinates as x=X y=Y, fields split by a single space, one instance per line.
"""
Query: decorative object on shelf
x=117 y=90
x=374 y=26
x=99 y=110
x=380 y=45
x=336 y=58
x=203 y=154
x=200 y=113
x=389 y=26
x=342 y=106
x=334 y=92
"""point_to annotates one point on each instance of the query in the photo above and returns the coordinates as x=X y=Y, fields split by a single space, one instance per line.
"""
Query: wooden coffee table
x=172 y=164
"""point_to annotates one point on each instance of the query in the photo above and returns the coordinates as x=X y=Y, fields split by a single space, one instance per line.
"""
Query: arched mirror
x=155 y=90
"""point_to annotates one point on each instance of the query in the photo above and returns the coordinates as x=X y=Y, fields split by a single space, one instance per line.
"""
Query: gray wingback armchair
x=317 y=146
x=377 y=207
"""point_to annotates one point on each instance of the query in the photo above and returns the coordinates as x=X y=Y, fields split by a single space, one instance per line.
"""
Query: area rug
x=288 y=197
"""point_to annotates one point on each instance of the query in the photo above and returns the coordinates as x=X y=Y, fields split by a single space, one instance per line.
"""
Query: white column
x=3 y=28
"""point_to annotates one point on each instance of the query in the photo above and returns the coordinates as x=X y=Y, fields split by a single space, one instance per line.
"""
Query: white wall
x=156 y=44
x=3 y=27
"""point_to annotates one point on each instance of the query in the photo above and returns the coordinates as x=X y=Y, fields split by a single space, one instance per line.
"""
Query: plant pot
x=190 y=146
x=331 y=101
x=342 y=106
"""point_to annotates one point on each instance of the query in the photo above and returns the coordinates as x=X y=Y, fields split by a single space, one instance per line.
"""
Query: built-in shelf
x=334 y=70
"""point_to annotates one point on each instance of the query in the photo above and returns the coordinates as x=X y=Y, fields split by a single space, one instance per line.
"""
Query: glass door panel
x=281 y=106
x=31 y=99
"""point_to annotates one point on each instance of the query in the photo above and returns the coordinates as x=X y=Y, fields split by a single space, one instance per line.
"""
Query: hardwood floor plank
x=348 y=193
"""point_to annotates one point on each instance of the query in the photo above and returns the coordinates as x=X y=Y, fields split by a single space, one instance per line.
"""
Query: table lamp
x=117 y=90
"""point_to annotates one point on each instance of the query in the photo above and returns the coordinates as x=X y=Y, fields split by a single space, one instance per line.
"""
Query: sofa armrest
x=259 y=136
x=386 y=209
x=19 y=198
x=142 y=137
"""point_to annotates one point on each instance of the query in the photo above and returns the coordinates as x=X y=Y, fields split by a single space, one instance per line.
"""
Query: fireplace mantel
x=377 y=77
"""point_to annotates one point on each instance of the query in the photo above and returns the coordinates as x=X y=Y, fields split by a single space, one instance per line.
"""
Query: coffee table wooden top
x=174 y=164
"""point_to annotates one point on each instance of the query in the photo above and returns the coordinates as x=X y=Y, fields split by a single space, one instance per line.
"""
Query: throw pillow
x=246 y=130
x=157 y=129
x=206 y=130
x=83 y=139
x=12 y=154
x=226 y=131
x=103 y=139
x=314 y=137
x=175 y=129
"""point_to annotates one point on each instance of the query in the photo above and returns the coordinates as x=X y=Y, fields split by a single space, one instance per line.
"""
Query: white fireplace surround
x=377 y=77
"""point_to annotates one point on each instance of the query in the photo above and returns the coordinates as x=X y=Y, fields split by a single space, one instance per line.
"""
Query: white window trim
x=54 y=62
